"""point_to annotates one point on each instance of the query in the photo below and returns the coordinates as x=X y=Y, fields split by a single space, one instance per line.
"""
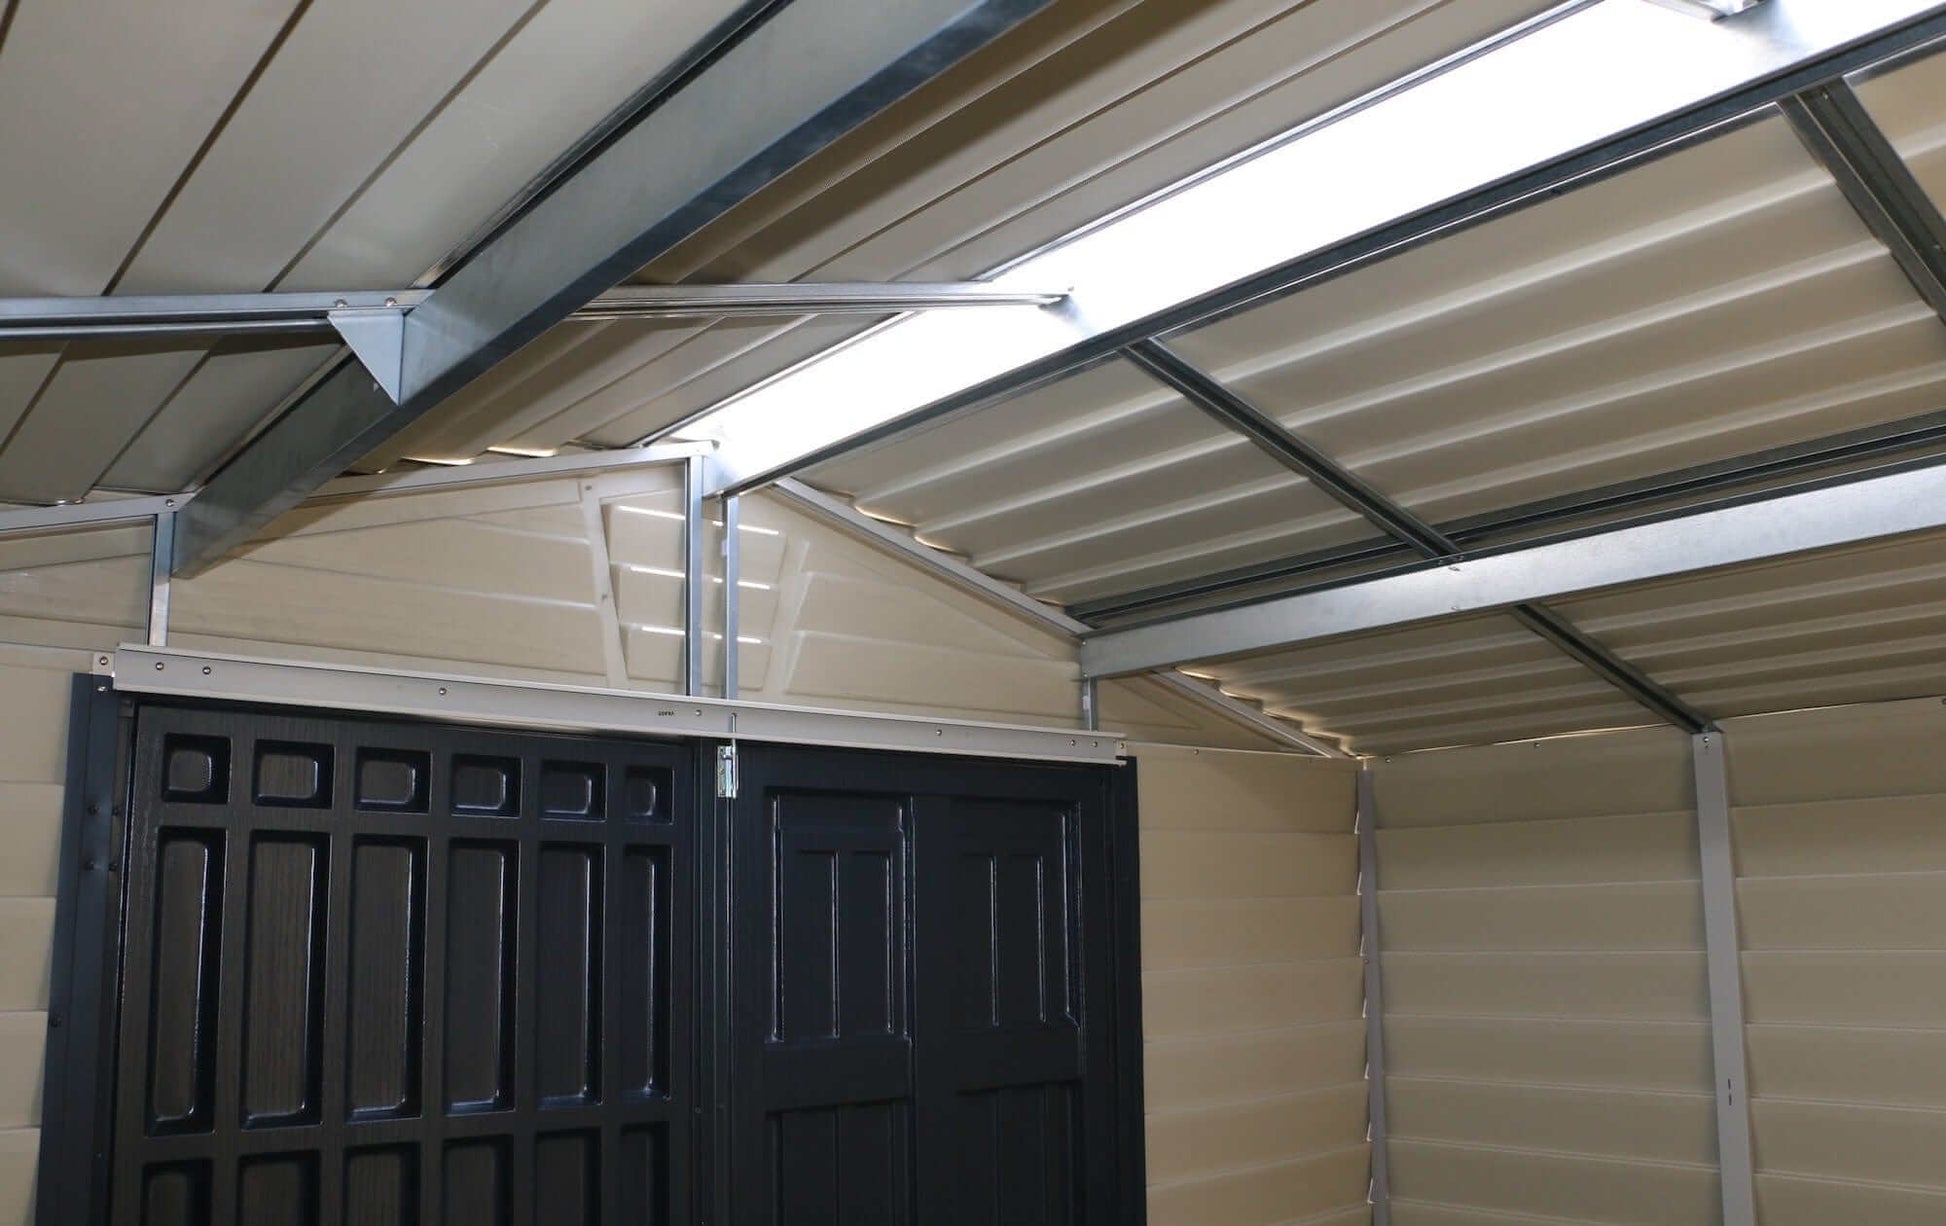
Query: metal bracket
x=378 y=338
x=726 y=772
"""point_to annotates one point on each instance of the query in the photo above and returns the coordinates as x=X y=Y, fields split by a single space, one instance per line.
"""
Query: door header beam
x=526 y=704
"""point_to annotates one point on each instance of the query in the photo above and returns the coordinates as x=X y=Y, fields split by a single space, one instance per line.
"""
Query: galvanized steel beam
x=1368 y=951
x=1356 y=494
x=773 y=93
x=43 y=320
x=1839 y=513
x=1835 y=126
x=1722 y=952
x=695 y=576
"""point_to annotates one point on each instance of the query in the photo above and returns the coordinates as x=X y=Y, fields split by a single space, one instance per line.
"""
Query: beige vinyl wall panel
x=1254 y=1050
x=1841 y=852
x=501 y=580
x=1546 y=1009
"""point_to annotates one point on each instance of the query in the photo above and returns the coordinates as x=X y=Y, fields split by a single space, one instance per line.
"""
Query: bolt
x=102 y=660
x=391 y=302
x=158 y=666
x=205 y=670
x=442 y=691
x=54 y=1021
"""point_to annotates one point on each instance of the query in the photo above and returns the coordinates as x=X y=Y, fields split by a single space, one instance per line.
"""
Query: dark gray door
x=384 y=973
x=922 y=993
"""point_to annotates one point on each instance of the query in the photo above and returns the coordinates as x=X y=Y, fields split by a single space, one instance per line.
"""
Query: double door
x=385 y=973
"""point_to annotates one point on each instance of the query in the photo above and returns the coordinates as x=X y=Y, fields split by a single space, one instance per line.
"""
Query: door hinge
x=726 y=772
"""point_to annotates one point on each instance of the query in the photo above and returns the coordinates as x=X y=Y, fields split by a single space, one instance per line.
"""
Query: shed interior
x=1481 y=458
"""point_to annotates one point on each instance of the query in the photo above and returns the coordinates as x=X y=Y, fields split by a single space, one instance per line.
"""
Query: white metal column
x=162 y=549
x=1725 y=979
x=695 y=576
x=1374 y=994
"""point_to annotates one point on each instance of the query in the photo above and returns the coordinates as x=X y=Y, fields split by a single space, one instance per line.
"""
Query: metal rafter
x=1888 y=441
x=1828 y=515
x=1835 y=126
x=769 y=94
x=1354 y=492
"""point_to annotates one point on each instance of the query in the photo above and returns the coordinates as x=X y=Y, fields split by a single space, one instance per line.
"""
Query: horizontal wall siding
x=1841 y=853
x=1546 y=1005
x=1254 y=1047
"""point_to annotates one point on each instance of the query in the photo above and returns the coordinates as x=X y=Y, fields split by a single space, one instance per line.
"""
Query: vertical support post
x=1374 y=993
x=162 y=557
x=693 y=577
x=1725 y=979
x=613 y=657
x=1090 y=705
x=732 y=597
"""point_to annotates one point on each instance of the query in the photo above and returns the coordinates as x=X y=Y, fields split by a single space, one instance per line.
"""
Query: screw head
x=158 y=666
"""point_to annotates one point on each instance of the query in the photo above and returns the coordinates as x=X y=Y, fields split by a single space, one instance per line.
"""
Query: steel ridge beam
x=1589 y=165
x=1836 y=514
x=777 y=91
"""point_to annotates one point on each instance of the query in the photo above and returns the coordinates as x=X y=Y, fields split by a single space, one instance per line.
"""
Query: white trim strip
x=524 y=704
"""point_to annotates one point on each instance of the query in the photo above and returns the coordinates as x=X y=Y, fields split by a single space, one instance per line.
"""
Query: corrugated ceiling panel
x=1090 y=106
x=1470 y=681
x=1850 y=626
x=1720 y=301
x=89 y=166
x=1101 y=482
x=374 y=139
